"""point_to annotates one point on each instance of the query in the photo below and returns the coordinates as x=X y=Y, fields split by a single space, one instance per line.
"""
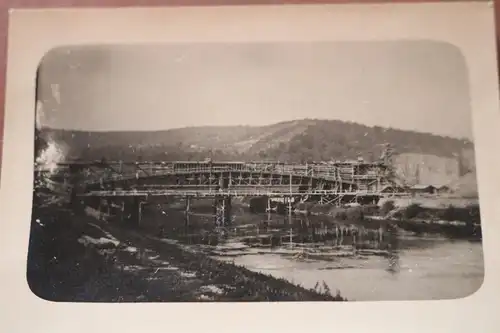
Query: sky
x=412 y=85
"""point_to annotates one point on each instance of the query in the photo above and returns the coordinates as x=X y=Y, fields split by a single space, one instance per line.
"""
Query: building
x=444 y=189
x=393 y=189
x=423 y=189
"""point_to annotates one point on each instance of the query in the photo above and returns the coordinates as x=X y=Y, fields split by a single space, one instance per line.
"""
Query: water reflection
x=300 y=237
x=392 y=255
x=365 y=260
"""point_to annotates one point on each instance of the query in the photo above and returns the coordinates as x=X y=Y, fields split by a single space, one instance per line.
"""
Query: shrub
x=412 y=211
x=474 y=213
x=450 y=214
x=341 y=216
x=468 y=214
x=355 y=214
x=387 y=207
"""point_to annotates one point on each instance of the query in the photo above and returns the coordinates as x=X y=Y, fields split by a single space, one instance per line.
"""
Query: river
x=364 y=261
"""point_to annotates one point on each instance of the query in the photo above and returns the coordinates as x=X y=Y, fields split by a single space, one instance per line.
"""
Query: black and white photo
x=337 y=171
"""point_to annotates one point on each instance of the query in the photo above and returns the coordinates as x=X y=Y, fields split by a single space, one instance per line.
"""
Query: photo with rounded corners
x=229 y=172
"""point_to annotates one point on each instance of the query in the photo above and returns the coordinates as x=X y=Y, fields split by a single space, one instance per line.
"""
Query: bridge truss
x=135 y=182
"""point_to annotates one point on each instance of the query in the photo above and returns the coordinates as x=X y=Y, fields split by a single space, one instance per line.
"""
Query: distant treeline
x=469 y=214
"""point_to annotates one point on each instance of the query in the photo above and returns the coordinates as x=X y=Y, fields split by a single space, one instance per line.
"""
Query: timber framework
x=137 y=182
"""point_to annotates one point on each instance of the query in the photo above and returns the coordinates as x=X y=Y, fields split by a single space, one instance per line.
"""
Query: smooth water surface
x=367 y=261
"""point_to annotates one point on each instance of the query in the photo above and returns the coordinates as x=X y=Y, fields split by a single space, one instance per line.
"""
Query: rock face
x=467 y=159
x=426 y=169
x=459 y=173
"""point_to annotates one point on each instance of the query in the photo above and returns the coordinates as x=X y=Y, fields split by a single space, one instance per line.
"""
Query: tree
x=387 y=207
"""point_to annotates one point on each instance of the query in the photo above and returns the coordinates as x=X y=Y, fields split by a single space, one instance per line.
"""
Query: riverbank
x=79 y=258
x=453 y=221
x=461 y=221
x=450 y=217
x=367 y=260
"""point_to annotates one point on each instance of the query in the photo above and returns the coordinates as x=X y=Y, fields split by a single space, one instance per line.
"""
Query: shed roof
x=422 y=187
x=397 y=187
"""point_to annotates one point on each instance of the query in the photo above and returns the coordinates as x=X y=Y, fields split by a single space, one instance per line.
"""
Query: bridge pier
x=75 y=203
x=132 y=211
x=289 y=205
x=188 y=205
x=104 y=207
x=108 y=206
x=114 y=208
x=222 y=207
x=100 y=209
x=187 y=210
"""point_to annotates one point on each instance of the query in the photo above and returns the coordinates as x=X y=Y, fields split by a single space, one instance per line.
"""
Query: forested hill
x=340 y=140
x=292 y=141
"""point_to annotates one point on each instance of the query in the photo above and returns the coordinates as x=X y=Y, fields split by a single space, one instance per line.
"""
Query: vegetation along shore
x=79 y=258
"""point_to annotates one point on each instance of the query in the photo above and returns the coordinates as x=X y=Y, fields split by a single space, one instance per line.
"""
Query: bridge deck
x=103 y=179
x=118 y=170
x=159 y=173
x=214 y=193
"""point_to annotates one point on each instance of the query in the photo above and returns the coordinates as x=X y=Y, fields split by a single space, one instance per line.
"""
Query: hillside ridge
x=284 y=137
x=418 y=157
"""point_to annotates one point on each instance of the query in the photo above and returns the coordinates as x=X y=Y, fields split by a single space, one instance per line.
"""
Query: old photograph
x=256 y=171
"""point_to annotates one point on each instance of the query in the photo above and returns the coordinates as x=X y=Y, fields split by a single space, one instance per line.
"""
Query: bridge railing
x=124 y=171
x=211 y=193
x=118 y=178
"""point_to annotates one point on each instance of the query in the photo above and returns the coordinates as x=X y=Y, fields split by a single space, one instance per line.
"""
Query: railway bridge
x=127 y=186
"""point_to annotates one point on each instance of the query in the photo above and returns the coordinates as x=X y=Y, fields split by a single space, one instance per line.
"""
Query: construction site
x=203 y=205
x=122 y=188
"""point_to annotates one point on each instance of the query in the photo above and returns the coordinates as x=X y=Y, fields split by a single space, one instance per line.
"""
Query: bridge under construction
x=122 y=188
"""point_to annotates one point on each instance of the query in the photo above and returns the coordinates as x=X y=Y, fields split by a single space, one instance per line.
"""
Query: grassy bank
x=78 y=258
x=415 y=211
x=460 y=221
x=469 y=214
x=454 y=221
x=457 y=222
